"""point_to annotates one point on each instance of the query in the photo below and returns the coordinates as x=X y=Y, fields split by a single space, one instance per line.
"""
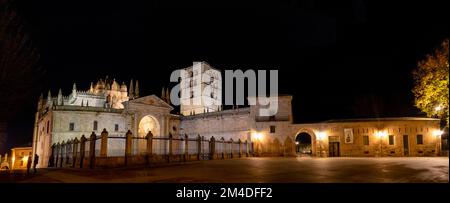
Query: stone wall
x=230 y=124
x=377 y=146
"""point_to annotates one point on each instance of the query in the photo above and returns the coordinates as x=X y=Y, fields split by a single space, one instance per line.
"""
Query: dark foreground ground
x=258 y=170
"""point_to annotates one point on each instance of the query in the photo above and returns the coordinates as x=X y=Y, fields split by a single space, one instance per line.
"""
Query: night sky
x=339 y=60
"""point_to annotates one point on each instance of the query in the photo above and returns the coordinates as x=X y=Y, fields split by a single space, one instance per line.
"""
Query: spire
x=136 y=89
x=163 y=94
x=131 y=91
x=60 y=96
x=74 y=90
x=91 y=89
x=49 y=99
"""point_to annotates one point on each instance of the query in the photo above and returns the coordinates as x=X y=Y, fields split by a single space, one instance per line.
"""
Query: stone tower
x=201 y=89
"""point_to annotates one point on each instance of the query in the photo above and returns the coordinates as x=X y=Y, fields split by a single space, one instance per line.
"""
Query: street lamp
x=381 y=134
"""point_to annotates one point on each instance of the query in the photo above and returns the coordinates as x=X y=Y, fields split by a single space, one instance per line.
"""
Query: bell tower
x=201 y=89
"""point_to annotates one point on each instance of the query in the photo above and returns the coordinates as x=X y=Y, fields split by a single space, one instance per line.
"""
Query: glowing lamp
x=321 y=135
x=381 y=134
x=438 y=132
x=258 y=136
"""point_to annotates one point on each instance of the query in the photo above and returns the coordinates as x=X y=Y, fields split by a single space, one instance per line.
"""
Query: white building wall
x=83 y=124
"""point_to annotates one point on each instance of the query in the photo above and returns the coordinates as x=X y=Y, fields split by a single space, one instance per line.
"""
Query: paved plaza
x=258 y=170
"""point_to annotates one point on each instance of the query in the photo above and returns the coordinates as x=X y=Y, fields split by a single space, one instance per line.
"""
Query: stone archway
x=305 y=142
x=148 y=123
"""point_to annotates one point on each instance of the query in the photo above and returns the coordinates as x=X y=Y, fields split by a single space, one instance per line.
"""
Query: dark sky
x=338 y=59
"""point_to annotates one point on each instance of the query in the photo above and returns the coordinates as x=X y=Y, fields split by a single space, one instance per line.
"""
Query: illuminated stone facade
x=106 y=105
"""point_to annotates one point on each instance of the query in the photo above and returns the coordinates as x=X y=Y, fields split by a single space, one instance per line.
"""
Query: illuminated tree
x=431 y=83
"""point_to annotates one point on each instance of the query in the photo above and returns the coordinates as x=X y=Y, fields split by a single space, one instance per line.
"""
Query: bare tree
x=19 y=59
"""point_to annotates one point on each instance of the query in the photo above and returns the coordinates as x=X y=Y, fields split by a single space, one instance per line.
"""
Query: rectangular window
x=391 y=140
x=116 y=127
x=72 y=126
x=366 y=140
x=95 y=125
x=419 y=139
x=272 y=129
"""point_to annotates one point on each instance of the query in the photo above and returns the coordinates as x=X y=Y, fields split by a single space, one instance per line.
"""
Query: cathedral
x=113 y=106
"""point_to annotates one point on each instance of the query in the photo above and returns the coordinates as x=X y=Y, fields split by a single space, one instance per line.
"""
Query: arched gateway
x=305 y=143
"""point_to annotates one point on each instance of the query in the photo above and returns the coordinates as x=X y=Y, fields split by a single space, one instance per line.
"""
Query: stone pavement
x=259 y=170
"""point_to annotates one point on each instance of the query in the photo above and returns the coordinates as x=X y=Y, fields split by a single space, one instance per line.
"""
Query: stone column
x=58 y=147
x=212 y=147
x=82 y=149
x=128 y=147
x=62 y=153
x=246 y=148
x=231 y=147
x=199 y=146
x=170 y=147
x=92 y=150
x=51 y=160
x=68 y=151
x=104 y=144
x=186 y=147
x=75 y=151
x=149 y=153
x=224 y=147
x=240 y=148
